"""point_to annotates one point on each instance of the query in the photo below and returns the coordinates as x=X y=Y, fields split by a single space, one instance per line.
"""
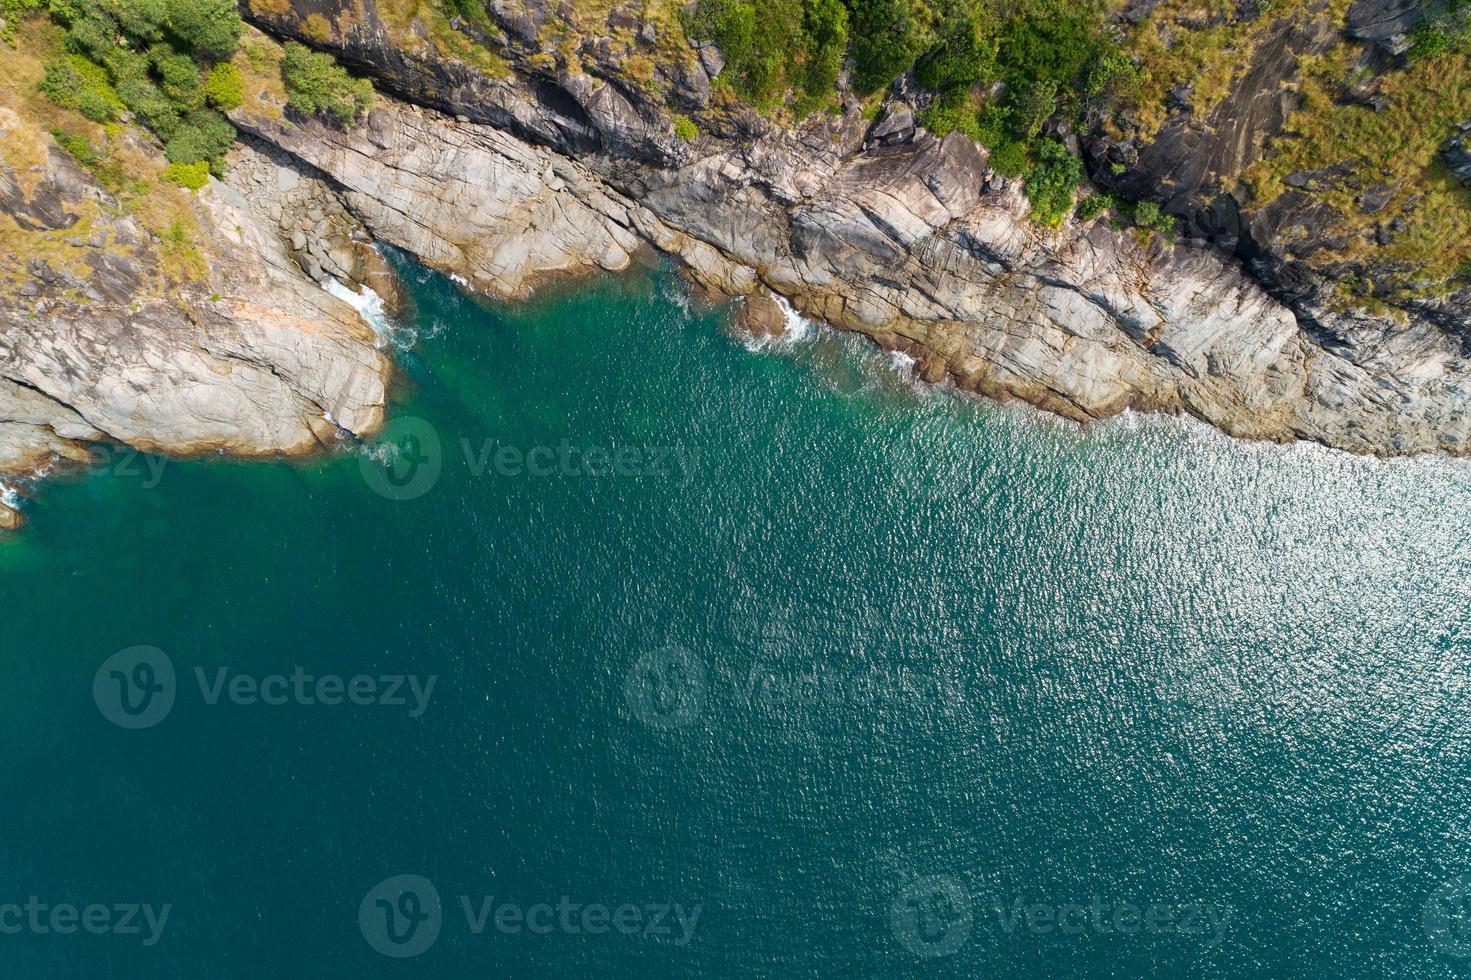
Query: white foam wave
x=796 y=329
x=368 y=304
x=902 y=363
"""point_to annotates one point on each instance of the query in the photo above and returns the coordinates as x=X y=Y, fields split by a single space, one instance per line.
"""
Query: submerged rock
x=761 y=316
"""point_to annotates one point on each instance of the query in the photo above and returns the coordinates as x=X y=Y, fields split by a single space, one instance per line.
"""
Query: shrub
x=210 y=28
x=1147 y=214
x=76 y=145
x=1032 y=108
x=146 y=101
x=685 y=129
x=203 y=135
x=144 y=20
x=888 y=35
x=316 y=83
x=772 y=45
x=98 y=105
x=964 y=54
x=73 y=82
x=151 y=56
x=1095 y=206
x=1052 y=181
x=178 y=77
x=1009 y=158
x=950 y=112
x=757 y=38
x=223 y=87
x=190 y=175
x=824 y=45
x=1049 y=40
x=11 y=11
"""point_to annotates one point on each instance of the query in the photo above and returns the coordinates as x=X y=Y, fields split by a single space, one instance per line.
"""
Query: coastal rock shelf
x=253 y=359
x=901 y=243
x=225 y=332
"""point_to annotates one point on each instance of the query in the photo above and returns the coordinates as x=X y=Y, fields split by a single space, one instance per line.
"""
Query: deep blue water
x=857 y=678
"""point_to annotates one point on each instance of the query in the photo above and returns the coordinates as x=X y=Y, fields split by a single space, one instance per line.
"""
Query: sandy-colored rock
x=253 y=360
x=902 y=241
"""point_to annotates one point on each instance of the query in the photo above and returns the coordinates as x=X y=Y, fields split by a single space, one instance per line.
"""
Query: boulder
x=1457 y=155
x=761 y=316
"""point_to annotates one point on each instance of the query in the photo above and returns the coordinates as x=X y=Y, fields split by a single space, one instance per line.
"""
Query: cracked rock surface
x=255 y=359
x=902 y=243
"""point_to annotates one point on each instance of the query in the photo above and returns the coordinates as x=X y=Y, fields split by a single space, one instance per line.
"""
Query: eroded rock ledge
x=252 y=359
x=911 y=244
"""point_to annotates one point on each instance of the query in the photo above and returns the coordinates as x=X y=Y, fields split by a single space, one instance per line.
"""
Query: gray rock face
x=1386 y=22
x=1457 y=155
x=901 y=243
x=256 y=360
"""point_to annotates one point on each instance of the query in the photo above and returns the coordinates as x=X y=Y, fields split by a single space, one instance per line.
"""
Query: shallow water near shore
x=746 y=662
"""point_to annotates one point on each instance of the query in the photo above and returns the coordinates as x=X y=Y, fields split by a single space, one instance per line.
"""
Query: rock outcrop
x=565 y=161
x=98 y=343
x=901 y=243
x=560 y=154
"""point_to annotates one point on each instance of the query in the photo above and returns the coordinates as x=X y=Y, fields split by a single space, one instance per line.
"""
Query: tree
x=316 y=83
x=211 y=28
x=887 y=37
x=964 y=55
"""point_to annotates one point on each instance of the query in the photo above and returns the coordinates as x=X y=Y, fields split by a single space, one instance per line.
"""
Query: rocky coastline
x=868 y=223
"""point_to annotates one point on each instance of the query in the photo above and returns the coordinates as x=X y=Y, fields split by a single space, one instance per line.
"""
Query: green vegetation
x=1096 y=206
x=190 y=175
x=315 y=83
x=771 y=46
x=1445 y=31
x=157 y=58
x=73 y=82
x=1398 y=148
x=223 y=87
x=1147 y=215
x=999 y=69
x=685 y=129
x=888 y=37
x=11 y=12
x=78 y=146
x=1051 y=182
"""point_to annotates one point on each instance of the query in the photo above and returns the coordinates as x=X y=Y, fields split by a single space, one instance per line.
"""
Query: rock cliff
x=564 y=163
x=564 y=152
x=102 y=340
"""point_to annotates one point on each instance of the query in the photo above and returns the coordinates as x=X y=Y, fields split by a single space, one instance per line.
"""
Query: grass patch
x=1198 y=42
x=1400 y=145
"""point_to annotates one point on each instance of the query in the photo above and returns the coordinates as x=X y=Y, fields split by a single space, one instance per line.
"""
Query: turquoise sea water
x=847 y=677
